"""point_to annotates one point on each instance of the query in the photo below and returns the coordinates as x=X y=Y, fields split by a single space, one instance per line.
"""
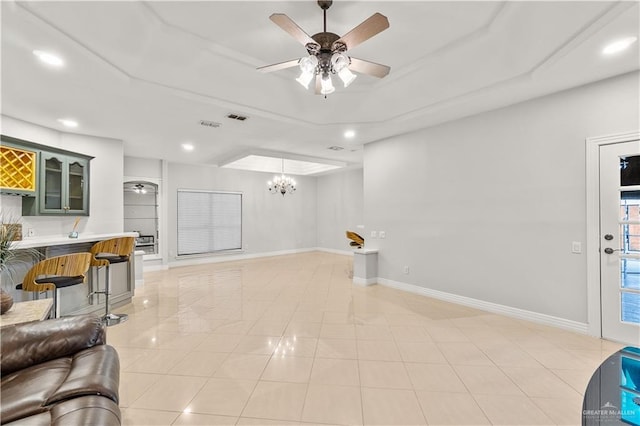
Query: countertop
x=58 y=240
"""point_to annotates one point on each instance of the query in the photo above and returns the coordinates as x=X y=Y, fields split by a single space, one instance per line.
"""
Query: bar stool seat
x=54 y=273
x=105 y=253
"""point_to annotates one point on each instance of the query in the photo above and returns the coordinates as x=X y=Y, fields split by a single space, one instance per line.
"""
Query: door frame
x=594 y=315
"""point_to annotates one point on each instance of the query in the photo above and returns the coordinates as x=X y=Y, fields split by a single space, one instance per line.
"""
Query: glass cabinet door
x=53 y=184
x=64 y=184
x=76 y=185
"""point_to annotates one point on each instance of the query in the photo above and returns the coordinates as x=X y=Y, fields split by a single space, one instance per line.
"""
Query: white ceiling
x=148 y=72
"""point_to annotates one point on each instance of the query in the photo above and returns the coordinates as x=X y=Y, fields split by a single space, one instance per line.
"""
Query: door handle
x=609 y=250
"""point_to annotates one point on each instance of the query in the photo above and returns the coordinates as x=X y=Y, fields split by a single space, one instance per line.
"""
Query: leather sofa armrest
x=23 y=345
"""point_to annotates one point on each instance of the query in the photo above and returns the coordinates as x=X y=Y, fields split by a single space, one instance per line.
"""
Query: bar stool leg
x=110 y=318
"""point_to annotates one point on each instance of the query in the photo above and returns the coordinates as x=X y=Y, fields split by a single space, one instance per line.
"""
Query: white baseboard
x=364 y=281
x=201 y=260
x=495 y=308
x=335 y=251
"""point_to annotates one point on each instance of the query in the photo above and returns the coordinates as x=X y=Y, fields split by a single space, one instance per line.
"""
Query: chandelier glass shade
x=324 y=64
x=282 y=184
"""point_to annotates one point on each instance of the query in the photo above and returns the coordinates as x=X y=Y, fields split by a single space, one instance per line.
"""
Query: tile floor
x=289 y=340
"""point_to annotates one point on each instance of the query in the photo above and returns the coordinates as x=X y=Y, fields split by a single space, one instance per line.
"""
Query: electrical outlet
x=405 y=270
x=576 y=247
x=382 y=234
x=374 y=234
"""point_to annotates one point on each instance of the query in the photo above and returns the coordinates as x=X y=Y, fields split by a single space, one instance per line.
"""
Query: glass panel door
x=620 y=241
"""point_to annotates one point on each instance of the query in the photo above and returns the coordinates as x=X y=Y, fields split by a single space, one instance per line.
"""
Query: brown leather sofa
x=58 y=372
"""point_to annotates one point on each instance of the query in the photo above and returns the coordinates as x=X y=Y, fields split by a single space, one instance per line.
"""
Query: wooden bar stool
x=54 y=273
x=105 y=253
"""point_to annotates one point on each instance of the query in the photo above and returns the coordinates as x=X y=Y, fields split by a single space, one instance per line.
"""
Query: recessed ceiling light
x=68 y=122
x=188 y=146
x=49 y=58
x=349 y=134
x=619 y=45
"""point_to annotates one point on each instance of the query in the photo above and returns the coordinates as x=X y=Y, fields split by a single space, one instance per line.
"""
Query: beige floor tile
x=481 y=380
x=193 y=419
x=171 y=393
x=331 y=371
x=202 y=364
x=199 y=325
x=563 y=411
x=373 y=332
x=330 y=317
x=219 y=342
x=512 y=410
x=443 y=408
x=303 y=329
x=375 y=350
x=337 y=331
x=577 y=379
x=139 y=417
x=429 y=352
x=384 y=374
x=268 y=328
x=276 y=401
x=434 y=377
x=330 y=404
x=463 y=353
x=391 y=407
x=256 y=344
x=337 y=348
x=297 y=346
x=133 y=385
x=249 y=421
x=288 y=369
x=242 y=366
x=409 y=333
x=507 y=354
x=222 y=397
x=445 y=333
x=158 y=361
x=539 y=382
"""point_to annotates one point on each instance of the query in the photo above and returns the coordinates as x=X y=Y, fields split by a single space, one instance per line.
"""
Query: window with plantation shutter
x=209 y=221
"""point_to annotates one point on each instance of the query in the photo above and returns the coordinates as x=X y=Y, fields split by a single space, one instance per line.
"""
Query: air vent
x=236 y=117
x=208 y=123
x=335 y=148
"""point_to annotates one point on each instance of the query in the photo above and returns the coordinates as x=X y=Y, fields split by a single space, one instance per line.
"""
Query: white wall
x=487 y=207
x=270 y=223
x=142 y=167
x=340 y=205
x=106 y=214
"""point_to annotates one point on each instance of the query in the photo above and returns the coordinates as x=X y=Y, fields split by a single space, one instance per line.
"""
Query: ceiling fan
x=328 y=51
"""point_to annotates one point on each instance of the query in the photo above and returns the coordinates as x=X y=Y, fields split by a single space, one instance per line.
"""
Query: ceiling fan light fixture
x=308 y=64
x=305 y=78
x=326 y=85
x=346 y=76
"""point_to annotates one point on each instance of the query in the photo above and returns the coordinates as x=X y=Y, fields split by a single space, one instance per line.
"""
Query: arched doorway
x=141 y=214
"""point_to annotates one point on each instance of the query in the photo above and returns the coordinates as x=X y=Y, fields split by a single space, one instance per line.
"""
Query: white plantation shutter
x=209 y=221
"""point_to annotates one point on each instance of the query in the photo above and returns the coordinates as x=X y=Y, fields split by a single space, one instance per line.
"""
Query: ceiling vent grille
x=208 y=123
x=236 y=117
x=335 y=148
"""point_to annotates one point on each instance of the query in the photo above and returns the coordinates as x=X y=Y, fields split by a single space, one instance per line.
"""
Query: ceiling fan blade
x=287 y=24
x=371 y=26
x=370 y=68
x=279 y=66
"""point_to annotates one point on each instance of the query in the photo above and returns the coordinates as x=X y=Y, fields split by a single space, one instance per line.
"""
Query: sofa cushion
x=26 y=344
x=86 y=410
x=93 y=371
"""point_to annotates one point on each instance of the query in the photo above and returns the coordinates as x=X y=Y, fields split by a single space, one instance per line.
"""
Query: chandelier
x=282 y=184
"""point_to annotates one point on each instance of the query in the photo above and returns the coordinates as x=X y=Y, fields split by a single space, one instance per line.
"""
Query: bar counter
x=75 y=299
